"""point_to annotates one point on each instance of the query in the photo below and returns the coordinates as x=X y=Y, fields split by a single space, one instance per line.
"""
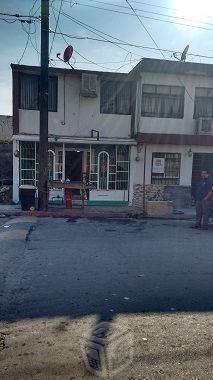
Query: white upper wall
x=78 y=117
x=170 y=125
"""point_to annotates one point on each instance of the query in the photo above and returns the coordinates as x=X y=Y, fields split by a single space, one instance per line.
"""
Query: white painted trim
x=76 y=140
x=15 y=172
x=98 y=184
x=51 y=151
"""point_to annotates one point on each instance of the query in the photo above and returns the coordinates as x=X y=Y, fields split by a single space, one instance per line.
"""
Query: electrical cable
x=144 y=27
x=141 y=10
x=26 y=45
x=56 y=26
x=145 y=17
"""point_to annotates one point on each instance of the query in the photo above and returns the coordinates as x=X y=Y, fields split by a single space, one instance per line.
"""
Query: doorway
x=201 y=161
x=73 y=166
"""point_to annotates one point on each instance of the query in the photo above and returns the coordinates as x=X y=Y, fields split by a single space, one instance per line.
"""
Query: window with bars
x=109 y=167
x=115 y=98
x=29 y=92
x=28 y=163
x=162 y=101
x=169 y=172
x=203 y=106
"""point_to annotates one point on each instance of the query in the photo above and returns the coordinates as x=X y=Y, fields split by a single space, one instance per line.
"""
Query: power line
x=131 y=45
x=96 y=31
x=56 y=26
x=86 y=59
x=145 y=17
x=179 y=79
x=141 y=10
x=162 y=7
x=18 y=15
x=26 y=45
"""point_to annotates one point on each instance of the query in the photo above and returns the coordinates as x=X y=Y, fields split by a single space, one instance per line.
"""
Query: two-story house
x=148 y=132
x=90 y=130
x=174 y=125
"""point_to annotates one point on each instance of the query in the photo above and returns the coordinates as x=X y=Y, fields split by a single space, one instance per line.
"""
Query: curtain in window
x=29 y=92
x=107 y=97
x=162 y=106
x=53 y=91
x=203 y=107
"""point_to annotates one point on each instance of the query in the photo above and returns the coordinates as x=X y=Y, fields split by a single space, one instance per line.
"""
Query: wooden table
x=69 y=187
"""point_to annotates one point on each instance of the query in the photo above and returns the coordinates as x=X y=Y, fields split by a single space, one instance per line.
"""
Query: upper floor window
x=203 y=106
x=162 y=101
x=115 y=98
x=29 y=92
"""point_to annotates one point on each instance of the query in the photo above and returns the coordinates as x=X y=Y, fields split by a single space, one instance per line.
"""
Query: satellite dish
x=183 y=55
x=68 y=53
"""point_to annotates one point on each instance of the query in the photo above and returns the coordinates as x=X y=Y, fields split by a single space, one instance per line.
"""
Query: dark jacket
x=203 y=188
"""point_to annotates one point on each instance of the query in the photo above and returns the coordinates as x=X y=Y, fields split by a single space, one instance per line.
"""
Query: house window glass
x=162 y=101
x=115 y=98
x=28 y=161
x=203 y=106
x=109 y=167
x=29 y=92
x=166 y=168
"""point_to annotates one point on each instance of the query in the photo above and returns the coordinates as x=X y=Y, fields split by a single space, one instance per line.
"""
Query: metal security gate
x=201 y=161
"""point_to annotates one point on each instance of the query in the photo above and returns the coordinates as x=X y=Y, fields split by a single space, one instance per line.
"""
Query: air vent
x=89 y=85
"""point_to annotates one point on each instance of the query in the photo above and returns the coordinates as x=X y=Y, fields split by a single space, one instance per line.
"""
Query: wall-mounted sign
x=158 y=165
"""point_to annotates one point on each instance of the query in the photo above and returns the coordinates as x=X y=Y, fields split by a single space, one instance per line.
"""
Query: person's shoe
x=197 y=226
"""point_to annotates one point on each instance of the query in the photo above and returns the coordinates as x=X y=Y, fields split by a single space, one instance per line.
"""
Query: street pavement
x=61 y=277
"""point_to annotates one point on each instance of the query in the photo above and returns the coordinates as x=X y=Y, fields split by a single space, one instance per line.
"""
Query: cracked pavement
x=60 y=277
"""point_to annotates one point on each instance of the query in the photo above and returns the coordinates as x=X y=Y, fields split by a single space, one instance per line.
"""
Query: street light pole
x=43 y=103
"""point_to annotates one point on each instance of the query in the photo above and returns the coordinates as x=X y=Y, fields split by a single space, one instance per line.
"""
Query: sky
x=157 y=24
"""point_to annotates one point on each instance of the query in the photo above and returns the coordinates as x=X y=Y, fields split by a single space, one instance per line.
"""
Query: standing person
x=204 y=200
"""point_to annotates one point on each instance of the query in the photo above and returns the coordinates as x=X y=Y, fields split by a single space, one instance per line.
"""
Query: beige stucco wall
x=80 y=115
x=170 y=125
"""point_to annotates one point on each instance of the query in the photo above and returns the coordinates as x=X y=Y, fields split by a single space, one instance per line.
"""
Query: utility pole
x=43 y=103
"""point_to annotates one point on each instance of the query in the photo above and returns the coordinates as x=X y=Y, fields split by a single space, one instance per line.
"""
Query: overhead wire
x=140 y=10
x=26 y=45
x=86 y=59
x=56 y=26
x=145 y=17
x=147 y=31
x=131 y=45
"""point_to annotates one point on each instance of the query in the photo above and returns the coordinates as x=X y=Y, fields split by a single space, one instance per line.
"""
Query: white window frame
x=98 y=183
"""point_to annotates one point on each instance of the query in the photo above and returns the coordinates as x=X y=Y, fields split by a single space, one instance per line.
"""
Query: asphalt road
x=60 y=277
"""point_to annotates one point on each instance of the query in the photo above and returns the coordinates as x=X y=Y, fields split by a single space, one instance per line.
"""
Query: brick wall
x=6 y=161
x=179 y=195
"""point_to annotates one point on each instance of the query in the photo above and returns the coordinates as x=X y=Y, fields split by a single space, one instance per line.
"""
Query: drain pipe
x=144 y=181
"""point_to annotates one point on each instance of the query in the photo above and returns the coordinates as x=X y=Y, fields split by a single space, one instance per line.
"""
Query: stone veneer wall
x=179 y=195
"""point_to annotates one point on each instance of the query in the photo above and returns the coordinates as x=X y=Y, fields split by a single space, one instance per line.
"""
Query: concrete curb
x=93 y=215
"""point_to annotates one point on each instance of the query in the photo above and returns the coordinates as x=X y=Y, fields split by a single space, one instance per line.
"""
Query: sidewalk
x=115 y=212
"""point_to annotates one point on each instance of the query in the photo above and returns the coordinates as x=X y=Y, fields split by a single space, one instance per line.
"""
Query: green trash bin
x=27 y=197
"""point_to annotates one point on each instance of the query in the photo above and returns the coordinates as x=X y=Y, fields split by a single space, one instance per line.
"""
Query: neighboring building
x=6 y=149
x=174 y=124
x=83 y=105
x=154 y=126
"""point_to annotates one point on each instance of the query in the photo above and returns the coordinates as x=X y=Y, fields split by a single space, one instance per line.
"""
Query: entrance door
x=201 y=161
x=73 y=166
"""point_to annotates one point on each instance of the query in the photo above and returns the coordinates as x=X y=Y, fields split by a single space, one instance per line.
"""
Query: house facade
x=174 y=125
x=90 y=130
x=142 y=135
